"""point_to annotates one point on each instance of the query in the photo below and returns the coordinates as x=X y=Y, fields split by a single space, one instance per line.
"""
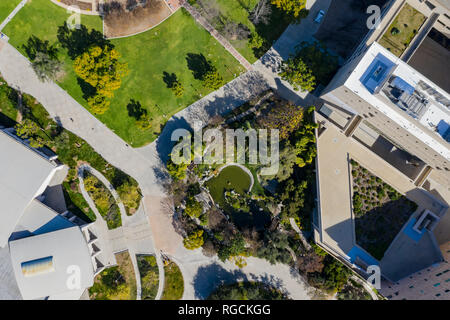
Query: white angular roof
x=24 y=174
x=59 y=253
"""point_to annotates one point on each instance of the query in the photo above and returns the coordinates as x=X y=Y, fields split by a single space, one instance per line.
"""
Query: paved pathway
x=12 y=14
x=146 y=164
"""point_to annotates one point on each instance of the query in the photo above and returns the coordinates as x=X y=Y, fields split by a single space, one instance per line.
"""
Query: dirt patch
x=83 y=5
x=344 y=26
x=122 y=19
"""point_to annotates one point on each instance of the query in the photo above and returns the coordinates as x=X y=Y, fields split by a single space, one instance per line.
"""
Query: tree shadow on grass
x=170 y=79
x=35 y=45
x=88 y=90
x=135 y=109
x=78 y=40
x=199 y=65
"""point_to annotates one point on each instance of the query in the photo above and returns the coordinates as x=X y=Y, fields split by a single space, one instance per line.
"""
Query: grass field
x=6 y=7
x=173 y=282
x=230 y=178
x=149 y=55
x=403 y=30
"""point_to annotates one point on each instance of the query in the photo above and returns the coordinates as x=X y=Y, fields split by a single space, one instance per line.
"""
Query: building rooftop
x=23 y=176
x=43 y=263
x=404 y=95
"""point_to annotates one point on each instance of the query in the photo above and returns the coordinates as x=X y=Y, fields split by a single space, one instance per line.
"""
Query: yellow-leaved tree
x=292 y=7
x=100 y=67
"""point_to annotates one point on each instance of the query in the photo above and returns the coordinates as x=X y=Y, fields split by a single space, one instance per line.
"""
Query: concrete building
x=389 y=116
x=44 y=254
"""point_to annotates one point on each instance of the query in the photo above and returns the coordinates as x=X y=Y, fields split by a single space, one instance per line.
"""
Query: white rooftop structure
x=24 y=175
x=44 y=263
x=373 y=73
x=45 y=248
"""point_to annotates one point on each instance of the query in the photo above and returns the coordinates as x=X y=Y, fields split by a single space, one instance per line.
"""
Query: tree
x=177 y=89
x=28 y=129
x=256 y=41
x=144 y=122
x=235 y=247
x=176 y=171
x=194 y=241
x=297 y=73
x=46 y=68
x=129 y=194
x=100 y=68
x=213 y=80
x=286 y=117
x=98 y=104
x=316 y=57
x=274 y=248
x=261 y=13
x=291 y=7
x=193 y=208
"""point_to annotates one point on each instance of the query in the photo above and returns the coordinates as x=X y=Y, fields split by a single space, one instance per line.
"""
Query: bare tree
x=261 y=13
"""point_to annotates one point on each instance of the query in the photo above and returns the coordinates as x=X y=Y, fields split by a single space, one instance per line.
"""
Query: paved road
x=146 y=164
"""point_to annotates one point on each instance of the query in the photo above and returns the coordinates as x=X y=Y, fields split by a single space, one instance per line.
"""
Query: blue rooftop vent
x=377 y=73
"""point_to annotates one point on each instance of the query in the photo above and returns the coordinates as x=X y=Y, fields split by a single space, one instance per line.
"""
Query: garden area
x=103 y=199
x=116 y=283
x=149 y=272
x=380 y=211
x=247 y=290
x=33 y=122
x=251 y=26
x=145 y=89
x=173 y=282
x=403 y=30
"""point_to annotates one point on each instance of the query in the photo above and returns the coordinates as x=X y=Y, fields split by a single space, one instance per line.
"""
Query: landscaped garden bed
x=71 y=150
x=103 y=199
x=380 y=211
x=173 y=282
x=403 y=30
x=149 y=272
x=117 y=282
x=247 y=290
x=167 y=66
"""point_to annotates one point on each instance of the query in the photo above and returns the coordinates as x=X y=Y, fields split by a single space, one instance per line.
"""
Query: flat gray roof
x=23 y=175
x=67 y=249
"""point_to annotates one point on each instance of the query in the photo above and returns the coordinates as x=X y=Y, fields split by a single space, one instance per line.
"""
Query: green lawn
x=173 y=282
x=403 y=30
x=149 y=55
x=230 y=178
x=6 y=7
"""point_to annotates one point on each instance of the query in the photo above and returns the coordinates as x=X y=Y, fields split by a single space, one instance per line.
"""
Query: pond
x=230 y=178
x=234 y=178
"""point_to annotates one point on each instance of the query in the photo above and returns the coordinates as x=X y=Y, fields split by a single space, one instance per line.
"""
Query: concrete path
x=12 y=14
x=146 y=164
